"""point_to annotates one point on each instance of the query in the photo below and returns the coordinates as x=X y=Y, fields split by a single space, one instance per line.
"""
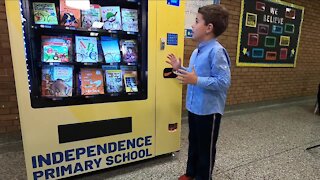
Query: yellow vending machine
x=93 y=87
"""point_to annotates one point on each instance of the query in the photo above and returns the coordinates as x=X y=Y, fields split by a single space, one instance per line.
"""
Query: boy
x=208 y=79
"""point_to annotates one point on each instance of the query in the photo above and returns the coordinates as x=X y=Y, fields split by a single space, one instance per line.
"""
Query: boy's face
x=200 y=29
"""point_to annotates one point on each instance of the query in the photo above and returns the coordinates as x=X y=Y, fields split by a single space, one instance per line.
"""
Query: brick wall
x=9 y=115
x=260 y=84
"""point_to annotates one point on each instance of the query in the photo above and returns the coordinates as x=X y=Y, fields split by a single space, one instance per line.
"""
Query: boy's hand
x=186 y=77
x=174 y=62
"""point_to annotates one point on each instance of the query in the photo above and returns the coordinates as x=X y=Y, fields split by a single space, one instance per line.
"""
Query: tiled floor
x=257 y=141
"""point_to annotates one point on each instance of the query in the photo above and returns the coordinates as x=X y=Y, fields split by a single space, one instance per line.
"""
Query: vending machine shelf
x=72 y=60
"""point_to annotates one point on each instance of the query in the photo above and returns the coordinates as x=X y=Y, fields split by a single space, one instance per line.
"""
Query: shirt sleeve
x=220 y=78
x=191 y=63
x=184 y=68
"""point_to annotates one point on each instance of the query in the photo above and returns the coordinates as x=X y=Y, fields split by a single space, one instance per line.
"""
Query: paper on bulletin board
x=192 y=7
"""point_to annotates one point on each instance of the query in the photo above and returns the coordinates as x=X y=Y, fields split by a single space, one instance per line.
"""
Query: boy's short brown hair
x=217 y=15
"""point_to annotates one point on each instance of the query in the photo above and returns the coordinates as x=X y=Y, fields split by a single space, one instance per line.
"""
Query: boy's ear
x=210 y=28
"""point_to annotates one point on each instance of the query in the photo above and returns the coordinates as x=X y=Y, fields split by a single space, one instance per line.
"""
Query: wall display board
x=269 y=33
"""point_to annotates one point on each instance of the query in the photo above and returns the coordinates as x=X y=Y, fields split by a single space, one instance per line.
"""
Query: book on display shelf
x=45 y=13
x=129 y=74
x=90 y=16
x=114 y=81
x=129 y=50
x=111 y=17
x=111 y=49
x=69 y=16
x=57 y=81
x=56 y=49
x=129 y=20
x=87 y=49
x=91 y=81
x=131 y=84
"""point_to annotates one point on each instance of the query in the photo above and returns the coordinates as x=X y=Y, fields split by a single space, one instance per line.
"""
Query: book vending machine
x=92 y=84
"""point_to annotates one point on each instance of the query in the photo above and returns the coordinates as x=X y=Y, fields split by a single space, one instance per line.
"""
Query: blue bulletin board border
x=242 y=64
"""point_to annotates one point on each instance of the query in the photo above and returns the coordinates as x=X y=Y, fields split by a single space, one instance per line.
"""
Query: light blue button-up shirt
x=212 y=66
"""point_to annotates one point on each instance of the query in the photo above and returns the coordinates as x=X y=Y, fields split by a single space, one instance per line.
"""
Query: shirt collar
x=206 y=43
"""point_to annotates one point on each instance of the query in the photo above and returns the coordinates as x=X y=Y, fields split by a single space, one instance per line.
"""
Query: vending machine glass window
x=95 y=53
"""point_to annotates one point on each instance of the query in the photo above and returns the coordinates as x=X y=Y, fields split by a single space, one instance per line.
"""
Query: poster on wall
x=269 y=33
x=191 y=11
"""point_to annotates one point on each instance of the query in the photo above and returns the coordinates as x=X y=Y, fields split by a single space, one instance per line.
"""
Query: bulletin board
x=269 y=33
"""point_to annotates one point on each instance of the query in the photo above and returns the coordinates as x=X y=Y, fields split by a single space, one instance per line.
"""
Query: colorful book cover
x=111 y=49
x=129 y=50
x=130 y=20
x=57 y=81
x=90 y=16
x=56 y=49
x=91 y=81
x=111 y=17
x=69 y=16
x=45 y=13
x=131 y=84
x=128 y=73
x=86 y=49
x=114 y=81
